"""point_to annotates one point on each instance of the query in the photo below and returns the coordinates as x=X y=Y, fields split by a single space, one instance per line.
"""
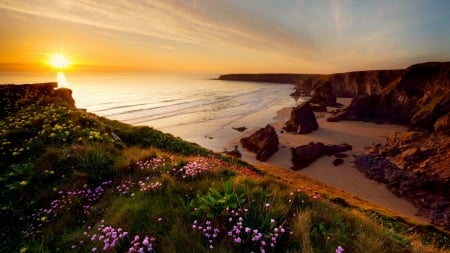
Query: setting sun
x=59 y=61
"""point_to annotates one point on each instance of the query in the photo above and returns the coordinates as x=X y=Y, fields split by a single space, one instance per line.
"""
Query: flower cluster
x=108 y=237
x=195 y=168
x=145 y=186
x=66 y=200
x=339 y=249
x=241 y=234
x=146 y=245
x=209 y=232
x=125 y=187
x=153 y=163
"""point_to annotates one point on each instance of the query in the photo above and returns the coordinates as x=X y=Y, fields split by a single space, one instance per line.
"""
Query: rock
x=318 y=108
x=302 y=120
x=333 y=149
x=338 y=161
x=65 y=95
x=234 y=153
x=239 y=129
x=323 y=95
x=263 y=142
x=340 y=155
x=304 y=155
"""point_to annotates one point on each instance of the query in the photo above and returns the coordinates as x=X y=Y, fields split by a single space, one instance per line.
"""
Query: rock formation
x=419 y=98
x=263 y=142
x=302 y=120
x=332 y=149
x=349 y=84
x=234 y=153
x=304 y=155
x=38 y=93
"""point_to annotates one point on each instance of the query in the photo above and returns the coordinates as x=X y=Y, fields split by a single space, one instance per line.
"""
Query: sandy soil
x=346 y=177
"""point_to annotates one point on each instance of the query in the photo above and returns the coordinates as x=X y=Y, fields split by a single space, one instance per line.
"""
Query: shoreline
x=346 y=176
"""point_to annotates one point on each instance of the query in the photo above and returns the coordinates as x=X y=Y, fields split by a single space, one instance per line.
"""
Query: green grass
x=61 y=191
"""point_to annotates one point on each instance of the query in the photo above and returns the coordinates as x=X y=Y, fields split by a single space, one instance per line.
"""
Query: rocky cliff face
x=415 y=164
x=327 y=87
x=420 y=98
x=14 y=97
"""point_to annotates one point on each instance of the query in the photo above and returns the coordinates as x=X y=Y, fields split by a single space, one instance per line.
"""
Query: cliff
x=268 y=77
x=327 y=87
x=17 y=97
x=420 y=98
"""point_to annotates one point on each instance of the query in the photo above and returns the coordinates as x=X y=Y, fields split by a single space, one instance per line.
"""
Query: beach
x=345 y=176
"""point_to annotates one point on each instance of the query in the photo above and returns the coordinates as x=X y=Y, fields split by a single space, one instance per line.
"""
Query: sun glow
x=59 y=61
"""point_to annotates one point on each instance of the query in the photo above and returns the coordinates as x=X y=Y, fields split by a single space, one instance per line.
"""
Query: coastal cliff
x=349 y=84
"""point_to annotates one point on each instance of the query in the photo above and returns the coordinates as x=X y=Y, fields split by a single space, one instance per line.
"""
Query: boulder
x=340 y=155
x=239 y=129
x=234 y=153
x=338 y=161
x=332 y=149
x=304 y=155
x=302 y=120
x=263 y=142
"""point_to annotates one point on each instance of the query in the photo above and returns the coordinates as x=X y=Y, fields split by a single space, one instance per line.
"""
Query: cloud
x=207 y=24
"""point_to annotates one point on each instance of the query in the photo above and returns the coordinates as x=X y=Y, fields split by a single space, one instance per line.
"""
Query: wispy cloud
x=205 y=24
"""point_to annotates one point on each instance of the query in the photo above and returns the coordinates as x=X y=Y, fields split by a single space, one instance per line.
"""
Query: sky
x=224 y=36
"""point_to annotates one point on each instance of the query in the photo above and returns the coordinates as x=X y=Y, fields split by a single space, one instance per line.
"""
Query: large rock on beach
x=304 y=155
x=332 y=149
x=303 y=120
x=263 y=142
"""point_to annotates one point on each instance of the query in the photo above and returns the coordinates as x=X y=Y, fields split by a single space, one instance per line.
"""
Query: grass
x=88 y=191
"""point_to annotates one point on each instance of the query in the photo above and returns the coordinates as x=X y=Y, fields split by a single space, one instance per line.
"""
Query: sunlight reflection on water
x=62 y=80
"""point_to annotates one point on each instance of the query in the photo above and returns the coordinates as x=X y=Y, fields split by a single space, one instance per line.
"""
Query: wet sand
x=345 y=176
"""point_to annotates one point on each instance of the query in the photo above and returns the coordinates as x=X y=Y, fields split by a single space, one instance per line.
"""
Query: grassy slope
x=66 y=183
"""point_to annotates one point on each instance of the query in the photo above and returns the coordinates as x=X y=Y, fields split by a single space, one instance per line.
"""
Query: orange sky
x=223 y=36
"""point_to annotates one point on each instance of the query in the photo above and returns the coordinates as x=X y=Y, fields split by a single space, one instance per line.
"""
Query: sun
x=59 y=61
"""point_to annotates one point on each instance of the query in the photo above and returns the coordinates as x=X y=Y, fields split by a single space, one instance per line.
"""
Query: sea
x=198 y=108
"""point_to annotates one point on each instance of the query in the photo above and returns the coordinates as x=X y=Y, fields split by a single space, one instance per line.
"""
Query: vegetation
x=72 y=181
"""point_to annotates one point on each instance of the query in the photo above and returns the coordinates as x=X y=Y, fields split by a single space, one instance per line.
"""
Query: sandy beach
x=345 y=176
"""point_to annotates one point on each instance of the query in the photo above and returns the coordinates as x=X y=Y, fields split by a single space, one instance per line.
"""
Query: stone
x=302 y=120
x=234 y=153
x=239 y=129
x=340 y=155
x=263 y=142
x=332 y=149
x=304 y=155
x=338 y=161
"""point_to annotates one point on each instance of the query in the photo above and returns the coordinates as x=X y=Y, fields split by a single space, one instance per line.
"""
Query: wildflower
x=267 y=205
x=339 y=249
x=23 y=183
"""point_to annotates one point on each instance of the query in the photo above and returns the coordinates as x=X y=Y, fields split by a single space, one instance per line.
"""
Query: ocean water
x=193 y=107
